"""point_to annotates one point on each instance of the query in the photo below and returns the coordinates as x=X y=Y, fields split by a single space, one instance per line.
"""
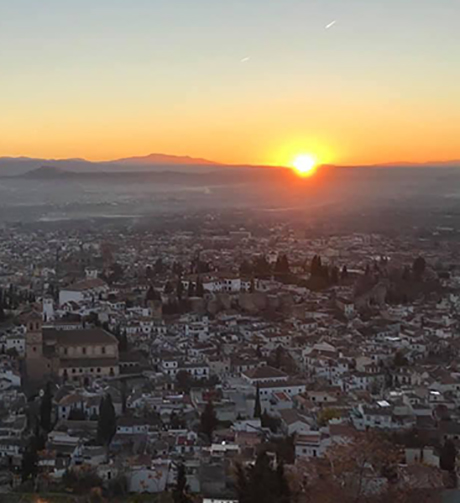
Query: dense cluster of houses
x=275 y=358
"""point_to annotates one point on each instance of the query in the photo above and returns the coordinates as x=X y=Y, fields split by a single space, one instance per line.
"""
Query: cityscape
x=229 y=251
x=136 y=360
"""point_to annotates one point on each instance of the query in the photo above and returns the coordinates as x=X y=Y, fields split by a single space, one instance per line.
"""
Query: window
x=103 y=350
x=84 y=351
x=66 y=351
x=98 y=369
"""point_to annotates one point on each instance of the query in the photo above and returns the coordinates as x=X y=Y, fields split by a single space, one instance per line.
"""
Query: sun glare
x=305 y=165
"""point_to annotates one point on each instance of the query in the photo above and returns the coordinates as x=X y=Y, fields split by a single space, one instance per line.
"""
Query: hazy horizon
x=174 y=159
x=351 y=83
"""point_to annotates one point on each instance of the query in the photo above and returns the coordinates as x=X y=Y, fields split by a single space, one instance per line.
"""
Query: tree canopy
x=179 y=493
x=46 y=407
x=208 y=420
x=257 y=405
x=107 y=421
x=262 y=482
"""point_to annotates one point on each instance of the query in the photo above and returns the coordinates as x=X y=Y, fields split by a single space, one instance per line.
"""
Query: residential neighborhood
x=132 y=359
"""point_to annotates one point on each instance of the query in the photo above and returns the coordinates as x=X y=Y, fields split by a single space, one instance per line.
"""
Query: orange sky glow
x=102 y=80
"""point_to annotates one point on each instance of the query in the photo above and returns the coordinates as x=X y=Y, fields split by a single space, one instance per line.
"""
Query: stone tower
x=34 y=336
x=37 y=366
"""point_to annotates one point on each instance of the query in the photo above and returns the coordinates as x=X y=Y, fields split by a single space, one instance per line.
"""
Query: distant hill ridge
x=45 y=172
x=166 y=159
x=11 y=166
x=17 y=166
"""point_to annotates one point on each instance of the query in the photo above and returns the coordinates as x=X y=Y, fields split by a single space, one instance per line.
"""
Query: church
x=77 y=355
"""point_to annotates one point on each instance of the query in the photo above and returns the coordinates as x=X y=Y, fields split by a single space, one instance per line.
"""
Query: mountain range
x=11 y=166
x=165 y=159
x=17 y=166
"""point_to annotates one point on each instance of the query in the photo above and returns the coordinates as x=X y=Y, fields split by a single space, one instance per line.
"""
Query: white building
x=86 y=290
x=16 y=342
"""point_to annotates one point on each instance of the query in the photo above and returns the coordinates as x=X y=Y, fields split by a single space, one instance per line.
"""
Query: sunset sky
x=103 y=79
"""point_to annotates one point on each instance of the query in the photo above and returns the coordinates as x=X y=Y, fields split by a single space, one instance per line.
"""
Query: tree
x=419 y=266
x=406 y=274
x=279 y=353
x=258 y=406
x=326 y=414
x=246 y=268
x=448 y=456
x=118 y=487
x=177 y=269
x=149 y=272
x=176 y=422
x=335 y=275
x=151 y=294
x=116 y=273
x=282 y=266
x=199 y=287
x=179 y=493
x=353 y=472
x=184 y=381
x=29 y=465
x=316 y=266
x=262 y=268
x=273 y=423
x=262 y=482
x=159 y=266
x=208 y=420
x=179 y=289
x=283 y=491
x=400 y=360
x=107 y=422
x=123 y=343
x=2 y=311
x=82 y=481
x=46 y=407
x=124 y=395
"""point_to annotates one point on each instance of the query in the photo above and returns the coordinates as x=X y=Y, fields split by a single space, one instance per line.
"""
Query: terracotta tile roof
x=78 y=337
x=86 y=284
x=265 y=372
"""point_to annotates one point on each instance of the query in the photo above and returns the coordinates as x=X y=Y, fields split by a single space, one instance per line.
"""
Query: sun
x=305 y=164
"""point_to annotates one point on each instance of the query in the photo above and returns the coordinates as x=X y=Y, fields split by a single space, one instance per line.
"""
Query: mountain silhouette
x=165 y=159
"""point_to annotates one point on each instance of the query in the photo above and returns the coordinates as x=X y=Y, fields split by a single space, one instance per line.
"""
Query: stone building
x=77 y=355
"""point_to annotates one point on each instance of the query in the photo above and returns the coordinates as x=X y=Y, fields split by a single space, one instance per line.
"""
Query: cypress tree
x=448 y=456
x=29 y=465
x=179 y=494
x=208 y=420
x=262 y=482
x=199 y=288
x=46 y=407
x=107 y=422
x=179 y=289
x=257 y=406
